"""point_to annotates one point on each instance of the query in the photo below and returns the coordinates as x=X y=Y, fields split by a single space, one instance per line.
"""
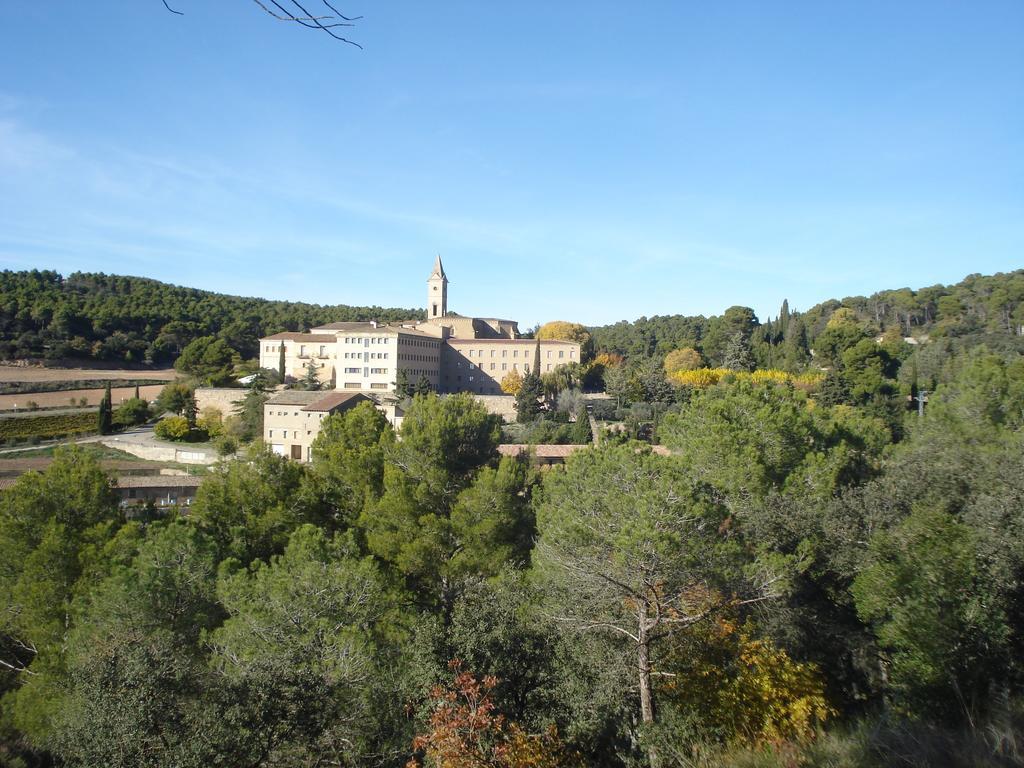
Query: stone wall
x=221 y=398
x=503 y=405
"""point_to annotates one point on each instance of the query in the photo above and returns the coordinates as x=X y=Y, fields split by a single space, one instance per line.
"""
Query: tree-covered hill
x=134 y=319
x=990 y=306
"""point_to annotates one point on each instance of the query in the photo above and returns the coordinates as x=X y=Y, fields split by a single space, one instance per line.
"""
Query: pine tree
x=423 y=386
x=311 y=379
x=834 y=390
x=105 y=415
x=402 y=388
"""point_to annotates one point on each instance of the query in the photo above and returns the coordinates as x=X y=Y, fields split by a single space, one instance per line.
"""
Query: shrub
x=226 y=445
x=131 y=412
x=172 y=428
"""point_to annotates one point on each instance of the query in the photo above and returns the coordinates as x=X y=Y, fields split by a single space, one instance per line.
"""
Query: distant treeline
x=977 y=306
x=137 y=320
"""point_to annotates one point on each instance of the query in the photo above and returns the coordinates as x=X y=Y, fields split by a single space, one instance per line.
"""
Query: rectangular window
x=549 y=366
x=351 y=370
x=515 y=353
x=504 y=353
x=352 y=385
x=492 y=366
x=549 y=353
x=378 y=386
x=561 y=353
x=504 y=366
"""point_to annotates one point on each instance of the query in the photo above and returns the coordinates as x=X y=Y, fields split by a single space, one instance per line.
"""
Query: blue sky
x=587 y=161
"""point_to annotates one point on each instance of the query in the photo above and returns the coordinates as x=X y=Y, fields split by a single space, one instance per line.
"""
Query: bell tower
x=437 y=291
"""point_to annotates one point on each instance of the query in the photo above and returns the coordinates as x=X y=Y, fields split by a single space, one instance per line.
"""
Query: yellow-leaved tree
x=748 y=687
x=512 y=382
x=563 y=330
x=684 y=359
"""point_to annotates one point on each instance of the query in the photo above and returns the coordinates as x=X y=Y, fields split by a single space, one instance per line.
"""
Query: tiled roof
x=560 y=451
x=295 y=397
x=362 y=326
x=138 y=481
x=336 y=400
x=321 y=338
x=160 y=481
x=541 y=451
x=512 y=341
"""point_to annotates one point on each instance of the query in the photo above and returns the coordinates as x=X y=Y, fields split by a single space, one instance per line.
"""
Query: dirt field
x=16 y=373
x=50 y=399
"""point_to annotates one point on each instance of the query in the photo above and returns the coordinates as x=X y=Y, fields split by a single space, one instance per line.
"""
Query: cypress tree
x=137 y=397
x=796 y=351
x=784 y=318
x=527 y=399
x=105 y=415
x=536 y=359
x=581 y=431
x=191 y=411
x=280 y=360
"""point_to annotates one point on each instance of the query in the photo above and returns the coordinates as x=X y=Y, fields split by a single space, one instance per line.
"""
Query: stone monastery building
x=454 y=353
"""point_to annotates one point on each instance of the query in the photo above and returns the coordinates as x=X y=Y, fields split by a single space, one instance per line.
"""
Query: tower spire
x=437 y=291
x=438 y=268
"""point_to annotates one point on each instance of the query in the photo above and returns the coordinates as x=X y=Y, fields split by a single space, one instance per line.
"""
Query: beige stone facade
x=479 y=365
x=454 y=353
x=292 y=419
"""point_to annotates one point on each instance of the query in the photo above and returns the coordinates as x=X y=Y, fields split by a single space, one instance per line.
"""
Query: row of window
x=284 y=433
x=366 y=356
x=419 y=343
x=504 y=366
x=366 y=341
x=515 y=353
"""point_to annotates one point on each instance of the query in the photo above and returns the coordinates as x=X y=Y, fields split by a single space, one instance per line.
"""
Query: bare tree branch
x=325 y=23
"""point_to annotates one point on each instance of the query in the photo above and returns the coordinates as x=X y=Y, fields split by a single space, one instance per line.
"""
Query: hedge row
x=21 y=427
x=32 y=387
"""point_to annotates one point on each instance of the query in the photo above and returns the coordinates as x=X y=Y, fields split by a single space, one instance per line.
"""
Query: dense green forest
x=826 y=568
x=137 y=320
x=976 y=306
x=801 y=582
